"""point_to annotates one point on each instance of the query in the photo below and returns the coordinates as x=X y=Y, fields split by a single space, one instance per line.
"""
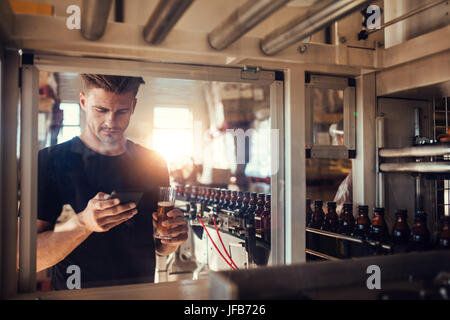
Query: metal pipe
x=379 y=199
x=321 y=255
x=434 y=119
x=446 y=116
x=408 y=15
x=417 y=122
x=241 y=21
x=321 y=14
x=423 y=167
x=94 y=16
x=343 y=237
x=418 y=204
x=164 y=17
x=419 y=151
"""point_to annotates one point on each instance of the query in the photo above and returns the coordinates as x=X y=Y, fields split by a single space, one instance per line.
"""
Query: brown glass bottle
x=194 y=192
x=216 y=196
x=242 y=210
x=317 y=216
x=420 y=236
x=346 y=220
x=309 y=212
x=378 y=230
x=223 y=194
x=265 y=219
x=227 y=200
x=331 y=220
x=233 y=200
x=362 y=225
x=211 y=196
x=259 y=211
x=187 y=192
x=238 y=203
x=180 y=190
x=444 y=233
x=245 y=202
x=400 y=231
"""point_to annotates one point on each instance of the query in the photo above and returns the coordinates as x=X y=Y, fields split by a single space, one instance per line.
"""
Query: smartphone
x=127 y=196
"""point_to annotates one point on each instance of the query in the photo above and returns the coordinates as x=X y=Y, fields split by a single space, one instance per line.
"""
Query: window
x=173 y=133
x=71 y=121
x=259 y=160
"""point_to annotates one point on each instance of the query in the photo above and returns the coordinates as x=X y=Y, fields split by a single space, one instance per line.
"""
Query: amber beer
x=165 y=204
x=163 y=208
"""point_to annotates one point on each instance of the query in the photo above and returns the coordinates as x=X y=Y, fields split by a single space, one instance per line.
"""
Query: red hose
x=231 y=266
x=223 y=246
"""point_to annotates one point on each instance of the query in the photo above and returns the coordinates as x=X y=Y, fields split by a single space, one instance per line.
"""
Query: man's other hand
x=177 y=228
x=102 y=214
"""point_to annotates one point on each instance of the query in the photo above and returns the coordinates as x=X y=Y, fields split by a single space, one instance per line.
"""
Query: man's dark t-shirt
x=71 y=173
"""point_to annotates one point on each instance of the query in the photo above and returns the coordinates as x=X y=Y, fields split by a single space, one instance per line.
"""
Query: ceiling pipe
x=321 y=14
x=241 y=21
x=94 y=16
x=163 y=18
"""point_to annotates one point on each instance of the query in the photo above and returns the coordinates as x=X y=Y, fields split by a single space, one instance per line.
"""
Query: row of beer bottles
x=251 y=206
x=375 y=230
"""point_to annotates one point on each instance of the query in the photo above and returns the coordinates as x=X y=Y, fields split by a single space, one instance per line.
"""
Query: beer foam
x=166 y=204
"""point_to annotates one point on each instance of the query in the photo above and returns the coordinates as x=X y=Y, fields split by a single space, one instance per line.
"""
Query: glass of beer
x=166 y=203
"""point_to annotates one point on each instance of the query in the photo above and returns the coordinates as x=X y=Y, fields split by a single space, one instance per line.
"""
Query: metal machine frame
x=347 y=85
x=32 y=64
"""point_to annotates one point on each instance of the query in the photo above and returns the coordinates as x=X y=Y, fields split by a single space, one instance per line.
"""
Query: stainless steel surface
x=419 y=193
x=163 y=19
x=380 y=178
x=419 y=151
x=241 y=21
x=402 y=81
x=277 y=182
x=343 y=237
x=446 y=197
x=364 y=167
x=6 y=22
x=423 y=167
x=55 y=63
x=417 y=122
x=446 y=114
x=177 y=290
x=321 y=255
x=94 y=16
x=434 y=119
x=9 y=167
x=321 y=14
x=295 y=175
x=409 y=14
x=317 y=91
x=295 y=281
x=28 y=182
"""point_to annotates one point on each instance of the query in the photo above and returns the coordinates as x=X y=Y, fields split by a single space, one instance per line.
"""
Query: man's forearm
x=54 y=245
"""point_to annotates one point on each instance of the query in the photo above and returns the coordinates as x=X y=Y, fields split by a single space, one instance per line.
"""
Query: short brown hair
x=115 y=84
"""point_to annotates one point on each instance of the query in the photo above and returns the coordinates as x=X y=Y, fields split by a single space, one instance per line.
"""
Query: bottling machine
x=361 y=117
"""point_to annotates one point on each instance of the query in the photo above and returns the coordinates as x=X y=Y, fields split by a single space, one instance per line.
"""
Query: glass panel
x=172 y=118
x=175 y=145
x=71 y=112
x=68 y=132
x=328 y=113
x=210 y=134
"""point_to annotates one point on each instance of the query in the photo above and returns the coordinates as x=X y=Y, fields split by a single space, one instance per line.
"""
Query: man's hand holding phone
x=102 y=213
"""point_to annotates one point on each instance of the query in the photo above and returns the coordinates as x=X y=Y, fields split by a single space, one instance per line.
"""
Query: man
x=111 y=243
x=345 y=190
